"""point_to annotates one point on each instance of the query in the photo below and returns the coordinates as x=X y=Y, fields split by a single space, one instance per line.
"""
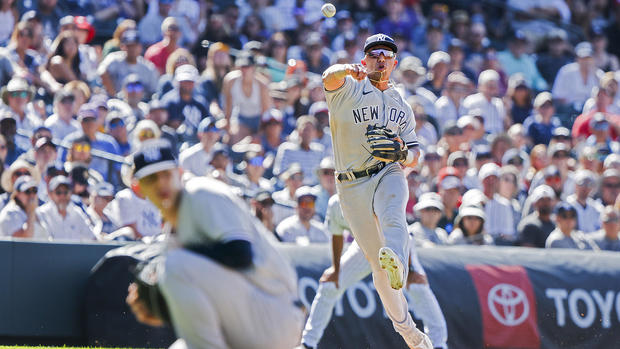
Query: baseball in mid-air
x=328 y=9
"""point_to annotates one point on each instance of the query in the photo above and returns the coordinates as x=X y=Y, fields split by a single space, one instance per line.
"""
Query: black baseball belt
x=353 y=175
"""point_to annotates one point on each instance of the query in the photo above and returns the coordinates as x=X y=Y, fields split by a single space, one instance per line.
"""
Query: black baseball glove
x=385 y=145
x=145 y=274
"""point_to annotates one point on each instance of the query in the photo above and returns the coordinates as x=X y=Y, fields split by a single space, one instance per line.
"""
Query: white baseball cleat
x=389 y=261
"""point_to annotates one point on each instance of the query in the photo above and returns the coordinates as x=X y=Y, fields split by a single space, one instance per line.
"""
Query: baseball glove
x=145 y=274
x=385 y=145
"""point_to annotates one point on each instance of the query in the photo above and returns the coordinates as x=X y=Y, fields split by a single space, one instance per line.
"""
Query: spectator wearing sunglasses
x=607 y=237
x=115 y=127
x=541 y=124
x=302 y=228
x=16 y=96
x=17 y=218
x=610 y=186
x=195 y=159
x=252 y=180
x=588 y=209
x=129 y=100
x=565 y=234
x=534 y=229
x=60 y=219
x=62 y=122
x=17 y=169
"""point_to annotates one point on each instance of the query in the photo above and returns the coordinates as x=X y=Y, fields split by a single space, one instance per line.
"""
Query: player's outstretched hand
x=139 y=309
x=357 y=71
x=330 y=275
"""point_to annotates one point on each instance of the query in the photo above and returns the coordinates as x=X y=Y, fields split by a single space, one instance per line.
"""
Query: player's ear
x=135 y=186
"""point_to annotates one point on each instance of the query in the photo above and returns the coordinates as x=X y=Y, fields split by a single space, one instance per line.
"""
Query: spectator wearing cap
x=499 y=221
x=159 y=52
x=581 y=127
x=262 y=208
x=115 y=127
x=610 y=186
x=509 y=180
x=612 y=161
x=17 y=218
x=447 y=106
x=271 y=131
x=39 y=132
x=566 y=235
x=183 y=102
x=588 y=210
x=158 y=113
x=561 y=135
x=535 y=228
x=589 y=160
x=597 y=100
x=460 y=162
x=438 y=68
x=85 y=33
x=320 y=112
x=101 y=195
x=60 y=219
x=607 y=237
x=602 y=59
x=518 y=98
x=221 y=165
x=492 y=107
x=425 y=232
x=118 y=65
x=16 y=95
x=520 y=160
x=473 y=132
x=600 y=137
x=479 y=155
x=517 y=60
x=45 y=154
x=251 y=181
x=17 y=169
x=575 y=81
x=62 y=122
x=556 y=55
x=452 y=137
x=246 y=95
x=87 y=117
x=412 y=75
x=541 y=124
x=469 y=228
x=431 y=164
x=449 y=187
x=293 y=179
x=302 y=228
x=326 y=187
x=195 y=159
x=304 y=151
x=177 y=58
x=132 y=214
x=129 y=100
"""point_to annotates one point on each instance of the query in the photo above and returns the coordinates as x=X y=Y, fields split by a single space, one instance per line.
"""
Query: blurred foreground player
x=224 y=284
x=353 y=267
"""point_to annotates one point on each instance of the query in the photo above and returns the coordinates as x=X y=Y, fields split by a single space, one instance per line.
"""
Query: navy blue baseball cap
x=380 y=39
x=564 y=207
x=153 y=156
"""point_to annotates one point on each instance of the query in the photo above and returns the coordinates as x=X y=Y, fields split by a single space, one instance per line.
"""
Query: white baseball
x=329 y=10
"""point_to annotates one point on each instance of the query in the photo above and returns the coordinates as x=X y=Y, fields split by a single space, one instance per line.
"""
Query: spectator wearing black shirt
x=541 y=124
x=536 y=227
x=550 y=62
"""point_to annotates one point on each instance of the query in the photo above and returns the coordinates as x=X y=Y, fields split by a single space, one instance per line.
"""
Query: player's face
x=377 y=59
x=162 y=188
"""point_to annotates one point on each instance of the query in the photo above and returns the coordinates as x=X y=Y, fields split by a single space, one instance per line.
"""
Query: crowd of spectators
x=516 y=104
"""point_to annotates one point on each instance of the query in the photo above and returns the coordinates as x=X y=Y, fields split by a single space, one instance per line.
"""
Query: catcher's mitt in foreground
x=385 y=145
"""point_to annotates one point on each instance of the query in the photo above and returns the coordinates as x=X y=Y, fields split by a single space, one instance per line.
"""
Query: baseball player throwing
x=353 y=267
x=373 y=134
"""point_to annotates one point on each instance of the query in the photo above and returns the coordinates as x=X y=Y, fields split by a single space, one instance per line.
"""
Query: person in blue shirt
x=517 y=60
x=540 y=125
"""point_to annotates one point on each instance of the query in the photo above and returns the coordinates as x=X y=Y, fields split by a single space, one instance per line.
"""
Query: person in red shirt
x=158 y=52
x=581 y=127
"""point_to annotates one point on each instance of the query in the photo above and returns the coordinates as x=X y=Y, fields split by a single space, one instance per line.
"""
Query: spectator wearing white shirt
x=305 y=152
x=60 y=219
x=499 y=221
x=101 y=195
x=62 y=123
x=487 y=101
x=327 y=185
x=447 y=106
x=302 y=228
x=17 y=218
x=425 y=232
x=284 y=199
x=16 y=95
x=196 y=158
x=607 y=238
x=574 y=82
x=588 y=209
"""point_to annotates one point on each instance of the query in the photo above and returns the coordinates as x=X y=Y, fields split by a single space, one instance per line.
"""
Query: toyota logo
x=504 y=302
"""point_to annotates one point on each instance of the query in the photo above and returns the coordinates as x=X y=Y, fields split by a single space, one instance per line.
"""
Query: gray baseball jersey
x=353 y=107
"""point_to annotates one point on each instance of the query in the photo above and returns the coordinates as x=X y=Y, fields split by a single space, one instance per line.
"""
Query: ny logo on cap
x=382 y=37
x=151 y=154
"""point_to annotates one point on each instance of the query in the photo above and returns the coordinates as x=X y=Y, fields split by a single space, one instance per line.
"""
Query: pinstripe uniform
x=374 y=206
x=353 y=268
